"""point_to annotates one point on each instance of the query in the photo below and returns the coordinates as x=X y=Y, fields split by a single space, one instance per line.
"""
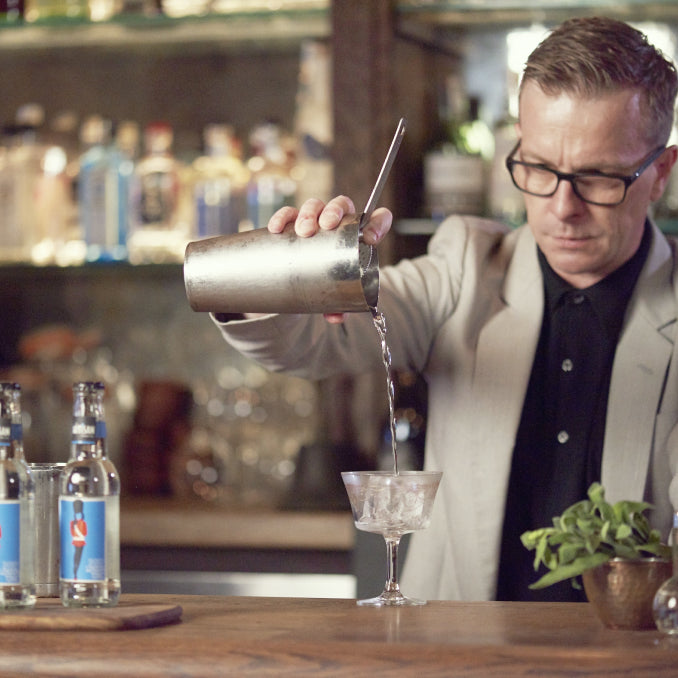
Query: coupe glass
x=391 y=505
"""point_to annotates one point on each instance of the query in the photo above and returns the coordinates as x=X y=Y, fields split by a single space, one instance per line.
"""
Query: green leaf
x=532 y=538
x=586 y=525
x=541 y=554
x=596 y=493
x=567 y=553
x=623 y=532
x=593 y=543
x=573 y=569
x=626 y=552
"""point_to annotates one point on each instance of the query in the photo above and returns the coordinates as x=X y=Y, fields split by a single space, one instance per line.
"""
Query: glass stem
x=392 y=564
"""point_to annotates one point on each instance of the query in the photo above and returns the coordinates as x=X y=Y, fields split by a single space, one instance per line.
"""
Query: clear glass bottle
x=37 y=10
x=271 y=185
x=89 y=508
x=103 y=191
x=158 y=229
x=20 y=172
x=97 y=213
x=125 y=157
x=220 y=184
x=17 y=499
x=665 y=606
x=11 y=11
x=14 y=240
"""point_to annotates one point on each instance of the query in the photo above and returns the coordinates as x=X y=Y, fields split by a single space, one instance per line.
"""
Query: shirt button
x=567 y=365
x=563 y=437
x=578 y=299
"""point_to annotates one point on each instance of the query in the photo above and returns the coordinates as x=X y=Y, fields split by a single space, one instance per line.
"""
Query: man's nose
x=565 y=202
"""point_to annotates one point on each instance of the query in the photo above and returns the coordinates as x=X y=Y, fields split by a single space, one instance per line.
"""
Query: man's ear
x=664 y=164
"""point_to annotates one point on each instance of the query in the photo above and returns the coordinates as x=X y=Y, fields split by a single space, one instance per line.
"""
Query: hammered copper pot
x=621 y=591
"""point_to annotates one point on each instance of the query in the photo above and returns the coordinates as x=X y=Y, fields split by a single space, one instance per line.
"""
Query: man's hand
x=314 y=215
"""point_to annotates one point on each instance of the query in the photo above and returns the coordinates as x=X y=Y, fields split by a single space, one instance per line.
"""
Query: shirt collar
x=609 y=296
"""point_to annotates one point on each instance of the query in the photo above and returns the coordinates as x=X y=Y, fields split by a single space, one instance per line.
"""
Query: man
x=549 y=351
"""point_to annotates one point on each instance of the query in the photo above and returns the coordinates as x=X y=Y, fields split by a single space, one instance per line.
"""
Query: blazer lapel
x=638 y=377
x=505 y=353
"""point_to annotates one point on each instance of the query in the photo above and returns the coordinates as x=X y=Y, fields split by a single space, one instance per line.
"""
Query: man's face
x=584 y=243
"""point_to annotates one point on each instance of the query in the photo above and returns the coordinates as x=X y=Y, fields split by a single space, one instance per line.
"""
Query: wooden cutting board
x=50 y=615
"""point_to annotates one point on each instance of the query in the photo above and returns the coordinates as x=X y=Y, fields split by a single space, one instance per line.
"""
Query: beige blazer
x=468 y=316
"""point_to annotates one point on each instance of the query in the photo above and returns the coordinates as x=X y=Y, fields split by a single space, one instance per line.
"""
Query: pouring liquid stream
x=380 y=323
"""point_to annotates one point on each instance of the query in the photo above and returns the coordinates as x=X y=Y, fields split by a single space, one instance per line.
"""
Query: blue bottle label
x=9 y=541
x=87 y=430
x=83 y=430
x=82 y=528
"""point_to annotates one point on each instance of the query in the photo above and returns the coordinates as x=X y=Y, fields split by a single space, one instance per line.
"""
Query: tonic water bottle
x=89 y=508
x=17 y=498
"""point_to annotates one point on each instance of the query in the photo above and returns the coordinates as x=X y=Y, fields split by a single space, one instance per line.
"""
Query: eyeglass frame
x=627 y=179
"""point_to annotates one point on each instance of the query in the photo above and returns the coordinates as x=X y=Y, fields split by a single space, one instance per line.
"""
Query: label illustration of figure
x=78 y=534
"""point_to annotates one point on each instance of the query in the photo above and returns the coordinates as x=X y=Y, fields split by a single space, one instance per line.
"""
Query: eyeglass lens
x=592 y=188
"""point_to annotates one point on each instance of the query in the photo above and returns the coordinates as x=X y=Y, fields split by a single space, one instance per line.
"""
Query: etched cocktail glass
x=392 y=505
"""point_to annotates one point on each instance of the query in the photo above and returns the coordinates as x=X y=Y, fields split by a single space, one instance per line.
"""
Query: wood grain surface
x=51 y=615
x=237 y=636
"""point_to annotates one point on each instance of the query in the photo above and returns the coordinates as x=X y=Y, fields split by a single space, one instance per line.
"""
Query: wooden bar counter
x=239 y=636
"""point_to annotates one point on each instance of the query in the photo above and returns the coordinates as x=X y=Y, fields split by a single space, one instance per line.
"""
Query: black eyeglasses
x=594 y=187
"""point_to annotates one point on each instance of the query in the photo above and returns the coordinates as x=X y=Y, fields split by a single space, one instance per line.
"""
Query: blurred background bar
x=128 y=128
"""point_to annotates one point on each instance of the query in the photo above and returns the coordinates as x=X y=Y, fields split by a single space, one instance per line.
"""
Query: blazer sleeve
x=416 y=296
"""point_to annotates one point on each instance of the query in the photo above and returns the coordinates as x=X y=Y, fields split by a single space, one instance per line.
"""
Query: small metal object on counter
x=262 y=272
x=46 y=479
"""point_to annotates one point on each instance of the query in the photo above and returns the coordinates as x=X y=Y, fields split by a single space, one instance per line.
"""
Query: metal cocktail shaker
x=262 y=272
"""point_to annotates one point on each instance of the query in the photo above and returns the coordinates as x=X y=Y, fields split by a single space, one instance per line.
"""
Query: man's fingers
x=280 y=219
x=378 y=226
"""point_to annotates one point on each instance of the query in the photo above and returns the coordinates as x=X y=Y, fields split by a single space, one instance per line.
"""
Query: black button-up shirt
x=559 y=444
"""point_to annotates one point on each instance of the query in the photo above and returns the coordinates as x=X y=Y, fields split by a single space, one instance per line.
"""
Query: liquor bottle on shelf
x=124 y=158
x=271 y=184
x=220 y=184
x=37 y=10
x=313 y=123
x=183 y=8
x=104 y=10
x=98 y=193
x=11 y=11
x=17 y=505
x=15 y=241
x=34 y=189
x=159 y=226
x=20 y=169
x=89 y=508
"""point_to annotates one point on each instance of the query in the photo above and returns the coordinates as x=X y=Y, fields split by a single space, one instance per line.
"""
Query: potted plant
x=621 y=559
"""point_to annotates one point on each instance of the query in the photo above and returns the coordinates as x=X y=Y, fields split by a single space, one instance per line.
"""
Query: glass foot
x=390 y=598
